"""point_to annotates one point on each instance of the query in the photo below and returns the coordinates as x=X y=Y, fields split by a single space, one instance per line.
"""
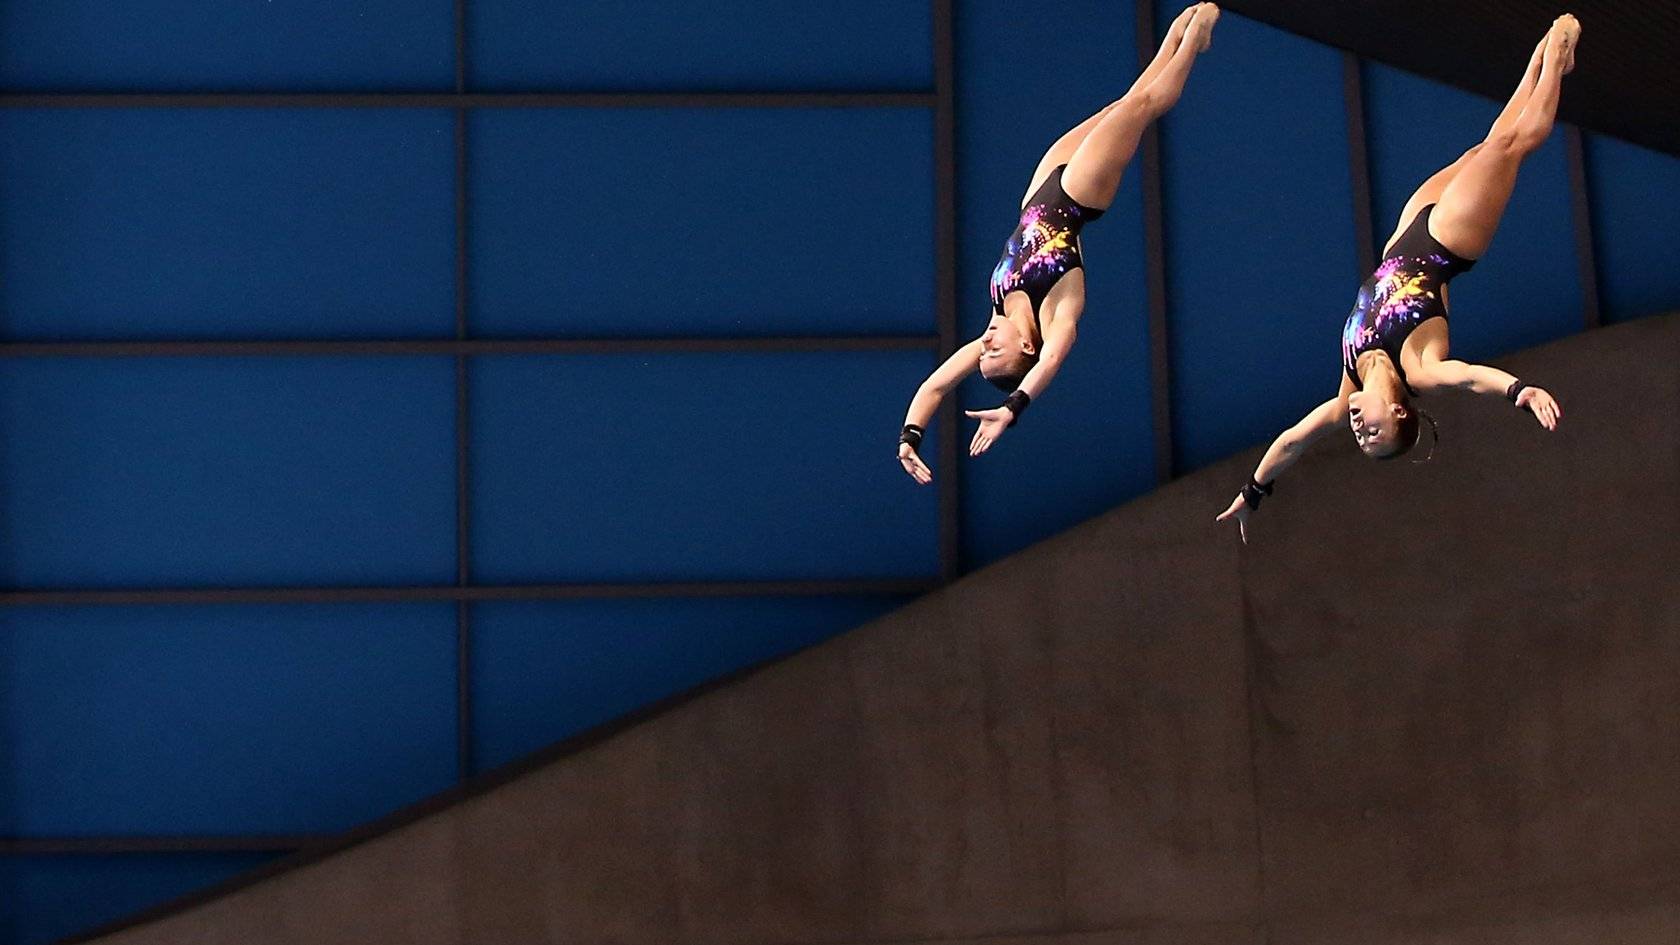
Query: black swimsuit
x=1402 y=294
x=1044 y=246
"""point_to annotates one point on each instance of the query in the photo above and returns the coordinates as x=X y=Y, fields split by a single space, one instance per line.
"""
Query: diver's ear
x=1399 y=410
x=1027 y=345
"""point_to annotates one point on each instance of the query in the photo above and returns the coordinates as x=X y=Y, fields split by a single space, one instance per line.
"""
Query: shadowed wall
x=1430 y=703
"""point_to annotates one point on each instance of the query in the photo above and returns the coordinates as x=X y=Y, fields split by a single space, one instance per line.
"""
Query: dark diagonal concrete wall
x=1429 y=704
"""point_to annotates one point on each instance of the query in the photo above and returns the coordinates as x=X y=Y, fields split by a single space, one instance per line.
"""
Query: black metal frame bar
x=1155 y=261
x=1580 y=206
x=79 y=846
x=463 y=482
x=469 y=100
x=1359 y=165
x=460 y=593
x=945 y=275
x=460 y=347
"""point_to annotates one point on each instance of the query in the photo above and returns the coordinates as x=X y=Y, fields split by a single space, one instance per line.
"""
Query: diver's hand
x=1239 y=509
x=1542 y=405
x=913 y=464
x=992 y=424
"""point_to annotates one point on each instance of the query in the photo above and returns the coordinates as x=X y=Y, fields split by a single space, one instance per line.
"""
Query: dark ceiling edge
x=1570 y=109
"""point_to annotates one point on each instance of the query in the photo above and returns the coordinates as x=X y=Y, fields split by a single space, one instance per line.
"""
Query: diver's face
x=1375 y=423
x=1001 y=342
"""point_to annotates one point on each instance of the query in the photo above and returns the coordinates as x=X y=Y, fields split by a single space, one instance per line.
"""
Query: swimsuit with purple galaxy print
x=1044 y=246
x=1402 y=294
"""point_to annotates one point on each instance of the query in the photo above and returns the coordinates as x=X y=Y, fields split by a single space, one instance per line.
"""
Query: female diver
x=1394 y=345
x=1038 y=287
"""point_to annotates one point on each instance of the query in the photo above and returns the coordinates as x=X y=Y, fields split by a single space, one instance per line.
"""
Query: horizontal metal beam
x=64 y=846
x=464 y=347
x=881 y=99
x=515 y=592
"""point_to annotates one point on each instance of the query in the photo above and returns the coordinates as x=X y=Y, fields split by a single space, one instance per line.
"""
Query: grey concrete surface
x=1429 y=704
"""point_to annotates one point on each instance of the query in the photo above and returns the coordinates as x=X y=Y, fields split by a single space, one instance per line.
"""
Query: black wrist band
x=1516 y=389
x=1253 y=492
x=1017 y=403
x=911 y=434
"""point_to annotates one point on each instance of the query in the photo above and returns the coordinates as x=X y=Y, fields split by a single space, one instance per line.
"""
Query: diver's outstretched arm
x=1058 y=344
x=1488 y=380
x=1281 y=455
x=944 y=379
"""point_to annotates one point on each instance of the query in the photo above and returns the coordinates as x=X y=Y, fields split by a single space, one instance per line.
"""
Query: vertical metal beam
x=1359 y=165
x=1155 y=261
x=1581 y=208
x=463 y=518
x=945 y=278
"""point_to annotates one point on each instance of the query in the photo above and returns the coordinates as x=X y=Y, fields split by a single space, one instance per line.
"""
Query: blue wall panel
x=190 y=45
x=694 y=467
x=1527 y=288
x=1088 y=446
x=222 y=720
x=182 y=472
x=43 y=899
x=726 y=44
x=544 y=671
x=1262 y=263
x=1635 y=197
x=662 y=222
x=164 y=223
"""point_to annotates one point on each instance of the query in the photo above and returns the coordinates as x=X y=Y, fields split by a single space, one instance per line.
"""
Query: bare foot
x=1200 y=30
x=1180 y=23
x=1567 y=31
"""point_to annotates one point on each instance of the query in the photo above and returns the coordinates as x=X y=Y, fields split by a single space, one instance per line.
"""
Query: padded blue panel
x=736 y=45
x=222 y=720
x=668 y=222
x=695 y=467
x=544 y=671
x=190 y=45
x=236 y=471
x=1089 y=445
x=1635 y=198
x=167 y=223
x=1262 y=263
x=47 y=898
x=1527 y=288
